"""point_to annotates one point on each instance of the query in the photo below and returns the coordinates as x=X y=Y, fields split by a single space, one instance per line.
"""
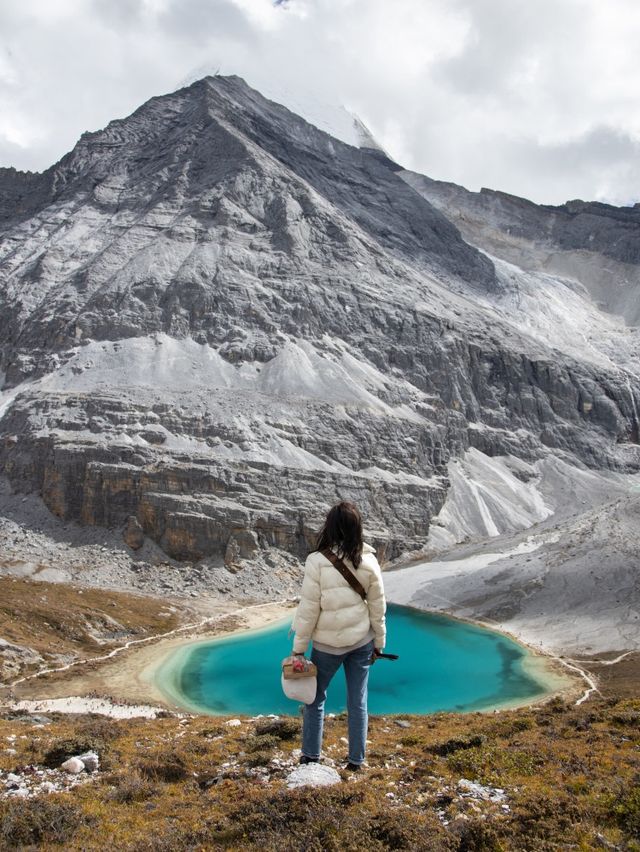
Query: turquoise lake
x=444 y=665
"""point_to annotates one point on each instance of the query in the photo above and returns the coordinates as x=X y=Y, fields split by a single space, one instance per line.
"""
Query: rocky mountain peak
x=213 y=295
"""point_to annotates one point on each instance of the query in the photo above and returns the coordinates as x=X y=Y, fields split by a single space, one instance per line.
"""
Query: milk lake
x=444 y=665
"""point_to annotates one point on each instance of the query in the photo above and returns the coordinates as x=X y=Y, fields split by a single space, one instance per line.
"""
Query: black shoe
x=304 y=759
x=353 y=767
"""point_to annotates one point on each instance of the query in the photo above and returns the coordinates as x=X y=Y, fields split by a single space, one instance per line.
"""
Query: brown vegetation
x=61 y=621
x=571 y=777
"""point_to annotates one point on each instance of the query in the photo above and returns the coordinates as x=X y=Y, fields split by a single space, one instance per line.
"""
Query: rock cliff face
x=595 y=244
x=216 y=320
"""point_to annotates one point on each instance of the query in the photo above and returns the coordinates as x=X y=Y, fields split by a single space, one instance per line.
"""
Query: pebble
x=478 y=791
x=402 y=723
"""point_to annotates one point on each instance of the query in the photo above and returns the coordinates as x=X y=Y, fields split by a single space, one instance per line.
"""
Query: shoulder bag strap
x=348 y=575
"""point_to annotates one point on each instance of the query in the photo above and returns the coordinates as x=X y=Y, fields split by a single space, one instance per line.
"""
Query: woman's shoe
x=353 y=767
x=304 y=759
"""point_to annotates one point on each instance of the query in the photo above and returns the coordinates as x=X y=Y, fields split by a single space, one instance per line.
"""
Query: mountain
x=216 y=320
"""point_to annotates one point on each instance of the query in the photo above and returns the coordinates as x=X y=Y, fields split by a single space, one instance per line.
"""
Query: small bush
x=283 y=729
x=35 y=821
x=453 y=745
x=548 y=817
x=166 y=766
x=626 y=812
x=627 y=718
x=262 y=742
x=507 y=727
x=258 y=758
x=98 y=729
x=491 y=765
x=477 y=836
x=215 y=731
x=132 y=788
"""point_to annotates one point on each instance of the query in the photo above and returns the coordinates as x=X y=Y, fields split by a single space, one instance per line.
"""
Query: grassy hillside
x=555 y=777
x=60 y=622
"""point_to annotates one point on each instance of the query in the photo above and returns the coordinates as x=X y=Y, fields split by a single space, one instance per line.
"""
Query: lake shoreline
x=549 y=672
x=132 y=678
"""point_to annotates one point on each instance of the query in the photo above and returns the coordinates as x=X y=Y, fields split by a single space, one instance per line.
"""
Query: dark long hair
x=343 y=527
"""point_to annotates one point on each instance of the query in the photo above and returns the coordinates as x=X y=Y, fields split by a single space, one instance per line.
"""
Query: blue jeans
x=356 y=670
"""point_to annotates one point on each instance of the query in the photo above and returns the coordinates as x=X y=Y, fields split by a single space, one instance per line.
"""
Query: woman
x=344 y=628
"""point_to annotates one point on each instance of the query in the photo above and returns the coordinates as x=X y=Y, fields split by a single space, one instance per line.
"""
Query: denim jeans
x=356 y=670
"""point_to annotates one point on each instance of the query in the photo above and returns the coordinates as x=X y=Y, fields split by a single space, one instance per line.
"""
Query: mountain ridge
x=243 y=234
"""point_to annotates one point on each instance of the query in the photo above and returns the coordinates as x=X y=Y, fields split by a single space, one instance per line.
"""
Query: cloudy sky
x=540 y=98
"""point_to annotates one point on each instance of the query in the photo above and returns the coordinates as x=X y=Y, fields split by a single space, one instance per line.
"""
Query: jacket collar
x=366 y=548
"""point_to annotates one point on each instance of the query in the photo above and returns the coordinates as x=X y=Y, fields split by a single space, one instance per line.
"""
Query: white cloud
x=538 y=99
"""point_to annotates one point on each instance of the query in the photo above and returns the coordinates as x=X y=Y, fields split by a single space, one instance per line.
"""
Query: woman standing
x=345 y=628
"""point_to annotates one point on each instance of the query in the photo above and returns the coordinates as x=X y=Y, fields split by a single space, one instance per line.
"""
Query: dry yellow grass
x=56 y=619
x=571 y=776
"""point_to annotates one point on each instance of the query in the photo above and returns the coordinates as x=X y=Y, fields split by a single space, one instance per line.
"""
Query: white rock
x=233 y=723
x=312 y=775
x=74 y=765
x=91 y=761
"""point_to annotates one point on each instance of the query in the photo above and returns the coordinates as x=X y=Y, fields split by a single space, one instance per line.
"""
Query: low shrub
x=258 y=758
x=492 y=765
x=626 y=812
x=453 y=745
x=132 y=787
x=262 y=742
x=40 y=820
x=283 y=729
x=166 y=766
x=477 y=835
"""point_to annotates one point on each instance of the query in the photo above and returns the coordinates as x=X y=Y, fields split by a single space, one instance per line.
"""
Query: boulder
x=312 y=775
x=133 y=533
x=91 y=761
x=74 y=766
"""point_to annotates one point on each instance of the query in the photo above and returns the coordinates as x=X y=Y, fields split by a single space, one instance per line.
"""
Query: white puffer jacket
x=331 y=612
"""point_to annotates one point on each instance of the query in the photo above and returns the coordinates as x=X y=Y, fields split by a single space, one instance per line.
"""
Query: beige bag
x=299 y=679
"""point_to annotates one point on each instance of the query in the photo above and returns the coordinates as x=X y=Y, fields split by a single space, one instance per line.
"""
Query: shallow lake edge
x=546 y=669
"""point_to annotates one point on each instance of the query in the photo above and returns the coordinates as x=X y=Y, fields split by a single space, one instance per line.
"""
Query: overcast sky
x=539 y=98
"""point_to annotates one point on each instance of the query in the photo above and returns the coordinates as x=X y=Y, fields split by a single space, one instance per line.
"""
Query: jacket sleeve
x=306 y=616
x=377 y=607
